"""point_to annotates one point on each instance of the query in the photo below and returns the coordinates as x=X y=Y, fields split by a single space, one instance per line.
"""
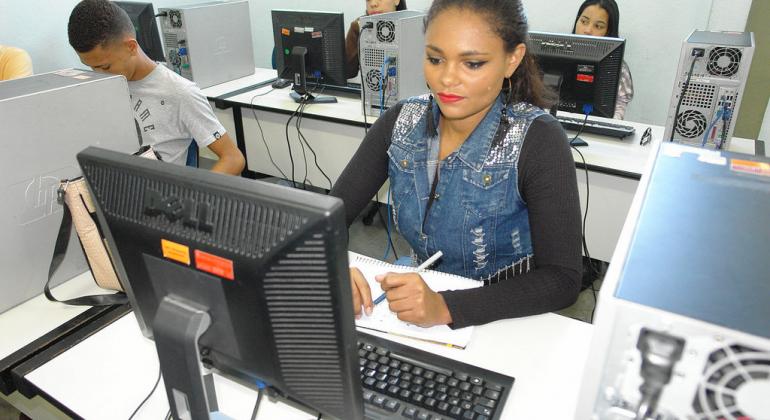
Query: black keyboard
x=596 y=127
x=401 y=382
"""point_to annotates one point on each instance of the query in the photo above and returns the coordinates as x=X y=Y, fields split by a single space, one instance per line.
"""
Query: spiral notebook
x=382 y=319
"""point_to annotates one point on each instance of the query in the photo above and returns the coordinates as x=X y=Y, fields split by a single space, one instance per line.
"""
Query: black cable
x=384 y=223
x=288 y=144
x=262 y=133
x=303 y=103
x=152 y=391
x=315 y=157
x=681 y=96
x=260 y=394
x=363 y=87
x=594 y=272
x=580 y=131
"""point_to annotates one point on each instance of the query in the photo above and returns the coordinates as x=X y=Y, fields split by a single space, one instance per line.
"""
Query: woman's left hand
x=413 y=301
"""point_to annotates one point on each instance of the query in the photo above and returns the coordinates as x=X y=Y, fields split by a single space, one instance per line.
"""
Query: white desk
x=109 y=373
x=335 y=131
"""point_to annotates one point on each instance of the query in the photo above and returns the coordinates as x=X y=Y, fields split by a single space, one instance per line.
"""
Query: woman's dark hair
x=508 y=20
x=609 y=6
x=401 y=5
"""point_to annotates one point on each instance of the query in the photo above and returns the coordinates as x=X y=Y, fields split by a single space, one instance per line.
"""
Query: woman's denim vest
x=477 y=218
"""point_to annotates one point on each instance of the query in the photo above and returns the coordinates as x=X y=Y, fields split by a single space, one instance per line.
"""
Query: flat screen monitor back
x=50 y=117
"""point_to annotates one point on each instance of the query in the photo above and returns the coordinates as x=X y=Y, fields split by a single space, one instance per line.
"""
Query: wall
x=654 y=29
x=755 y=97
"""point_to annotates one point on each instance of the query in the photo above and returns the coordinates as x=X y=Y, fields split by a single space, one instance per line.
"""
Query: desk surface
x=109 y=373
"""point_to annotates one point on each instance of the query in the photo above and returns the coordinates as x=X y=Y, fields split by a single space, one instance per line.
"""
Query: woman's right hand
x=362 y=295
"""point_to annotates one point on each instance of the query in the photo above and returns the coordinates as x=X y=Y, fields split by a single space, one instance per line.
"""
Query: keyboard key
x=429 y=374
x=466 y=405
x=372 y=356
x=467 y=396
x=383 y=360
x=368 y=347
x=429 y=392
x=464 y=386
x=369 y=372
x=381 y=386
x=453 y=401
x=456 y=411
x=394 y=364
x=394 y=372
x=381 y=351
x=393 y=390
x=405 y=394
x=419 y=380
x=441 y=378
x=440 y=396
x=404 y=384
x=423 y=415
x=492 y=395
x=476 y=381
x=454 y=392
x=417 y=398
x=470 y=415
x=368 y=395
x=406 y=376
x=452 y=382
x=406 y=367
x=461 y=376
x=371 y=365
x=443 y=406
x=370 y=382
x=442 y=388
x=486 y=402
x=409 y=412
x=392 y=405
x=378 y=400
x=381 y=376
x=417 y=370
x=477 y=390
x=430 y=384
x=361 y=361
x=430 y=402
x=383 y=369
x=361 y=353
x=495 y=387
x=484 y=411
x=416 y=388
x=393 y=380
x=482 y=418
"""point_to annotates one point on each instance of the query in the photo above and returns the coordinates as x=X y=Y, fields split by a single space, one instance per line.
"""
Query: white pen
x=419 y=268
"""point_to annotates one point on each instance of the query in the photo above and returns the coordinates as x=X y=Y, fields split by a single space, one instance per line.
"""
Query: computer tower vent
x=373 y=79
x=734 y=379
x=170 y=40
x=175 y=17
x=299 y=300
x=691 y=124
x=724 y=61
x=373 y=57
x=699 y=95
x=386 y=31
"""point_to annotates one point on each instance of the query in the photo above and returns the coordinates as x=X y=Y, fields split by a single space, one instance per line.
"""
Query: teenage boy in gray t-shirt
x=170 y=111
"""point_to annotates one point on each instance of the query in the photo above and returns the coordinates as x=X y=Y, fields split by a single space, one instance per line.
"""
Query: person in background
x=14 y=63
x=170 y=111
x=602 y=18
x=373 y=7
x=478 y=171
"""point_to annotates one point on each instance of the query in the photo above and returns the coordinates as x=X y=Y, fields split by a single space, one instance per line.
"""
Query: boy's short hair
x=96 y=22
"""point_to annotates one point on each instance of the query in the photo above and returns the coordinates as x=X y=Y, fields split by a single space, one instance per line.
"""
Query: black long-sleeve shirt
x=547 y=182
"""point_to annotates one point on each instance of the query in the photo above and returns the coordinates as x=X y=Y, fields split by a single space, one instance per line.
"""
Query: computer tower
x=392 y=55
x=46 y=119
x=208 y=43
x=683 y=329
x=705 y=116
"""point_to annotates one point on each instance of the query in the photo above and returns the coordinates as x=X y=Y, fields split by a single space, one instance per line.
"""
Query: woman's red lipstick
x=448 y=97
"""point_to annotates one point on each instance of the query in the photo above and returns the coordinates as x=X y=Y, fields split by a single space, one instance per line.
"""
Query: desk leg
x=240 y=140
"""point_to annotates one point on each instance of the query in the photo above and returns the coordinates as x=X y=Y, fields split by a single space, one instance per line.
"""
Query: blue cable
x=710 y=127
x=385 y=62
x=387 y=245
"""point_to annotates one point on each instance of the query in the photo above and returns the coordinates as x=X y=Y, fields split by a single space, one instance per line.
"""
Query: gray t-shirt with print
x=170 y=111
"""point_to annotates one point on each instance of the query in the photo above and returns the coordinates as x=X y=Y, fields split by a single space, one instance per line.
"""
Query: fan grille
x=724 y=61
x=727 y=371
x=373 y=78
x=386 y=31
x=691 y=124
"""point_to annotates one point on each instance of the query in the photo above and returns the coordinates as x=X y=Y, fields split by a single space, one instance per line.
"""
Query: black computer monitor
x=248 y=277
x=584 y=70
x=143 y=17
x=321 y=35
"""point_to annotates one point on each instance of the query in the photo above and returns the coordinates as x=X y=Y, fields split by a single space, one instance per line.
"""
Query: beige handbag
x=79 y=210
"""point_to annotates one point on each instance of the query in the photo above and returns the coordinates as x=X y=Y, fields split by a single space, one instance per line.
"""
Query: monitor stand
x=300 y=92
x=553 y=81
x=308 y=98
x=177 y=328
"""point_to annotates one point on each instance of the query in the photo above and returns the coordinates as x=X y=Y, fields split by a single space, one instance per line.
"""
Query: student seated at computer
x=602 y=18
x=170 y=111
x=478 y=171
x=373 y=7
x=14 y=63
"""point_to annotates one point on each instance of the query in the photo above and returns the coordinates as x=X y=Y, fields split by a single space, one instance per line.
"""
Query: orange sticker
x=174 y=251
x=215 y=265
x=285 y=32
x=750 y=167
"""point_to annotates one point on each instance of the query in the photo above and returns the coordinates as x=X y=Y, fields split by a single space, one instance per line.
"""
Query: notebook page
x=382 y=319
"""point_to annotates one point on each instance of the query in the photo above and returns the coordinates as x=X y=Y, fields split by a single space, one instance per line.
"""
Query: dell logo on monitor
x=192 y=214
